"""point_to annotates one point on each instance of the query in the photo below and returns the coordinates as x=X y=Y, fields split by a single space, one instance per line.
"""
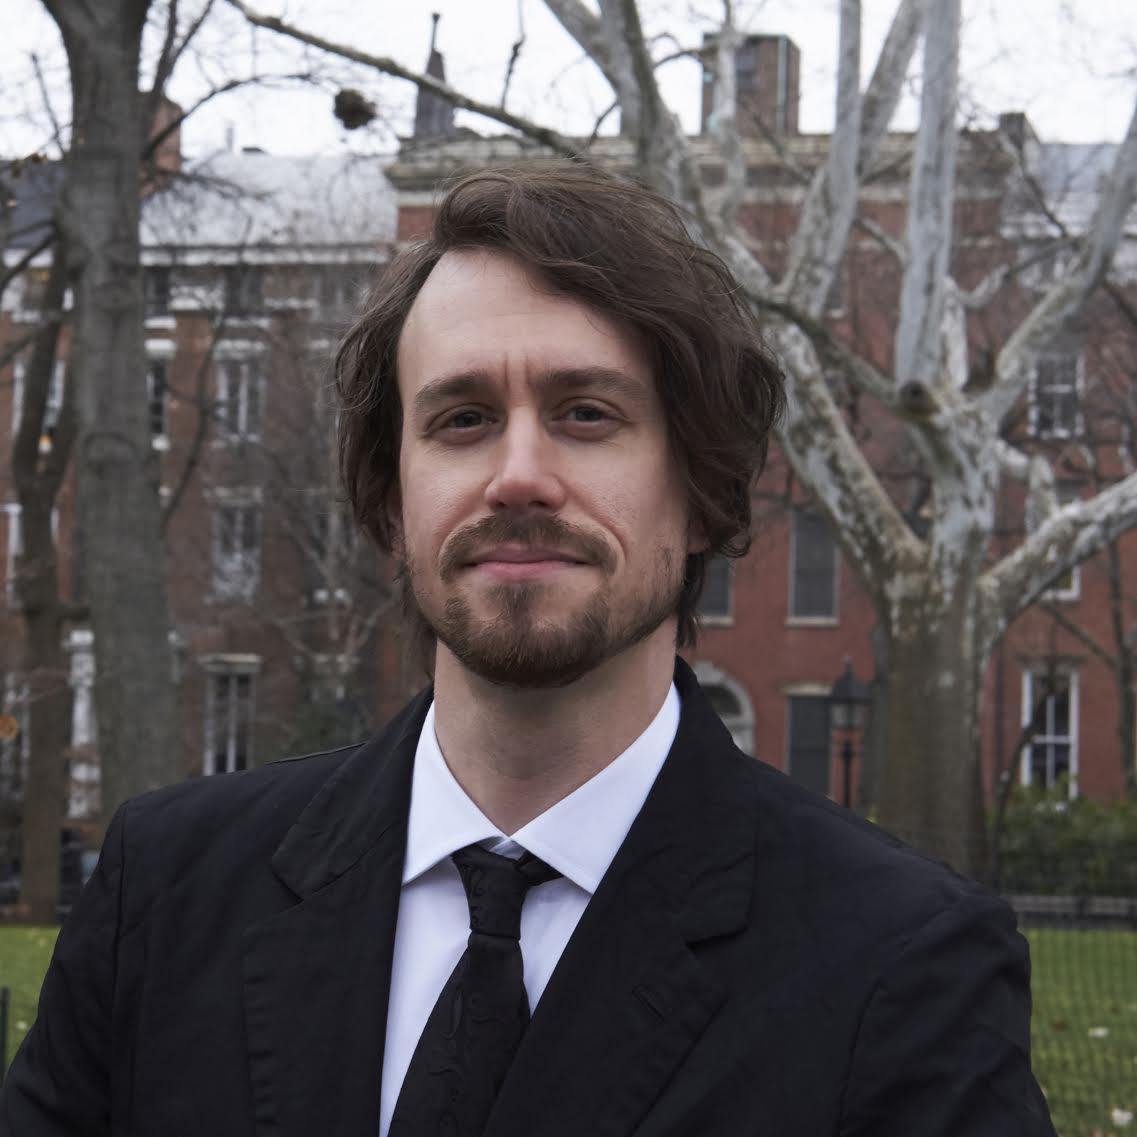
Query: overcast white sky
x=1070 y=64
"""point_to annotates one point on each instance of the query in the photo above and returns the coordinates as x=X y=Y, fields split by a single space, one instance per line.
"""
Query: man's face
x=543 y=521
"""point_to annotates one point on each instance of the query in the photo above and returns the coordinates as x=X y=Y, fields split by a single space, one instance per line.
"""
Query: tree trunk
x=1126 y=675
x=118 y=470
x=930 y=790
x=38 y=475
x=45 y=790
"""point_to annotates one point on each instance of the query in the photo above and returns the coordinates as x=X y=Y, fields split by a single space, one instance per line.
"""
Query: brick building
x=778 y=624
x=285 y=632
x=252 y=267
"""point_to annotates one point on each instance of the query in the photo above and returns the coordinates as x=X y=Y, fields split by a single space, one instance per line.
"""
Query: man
x=551 y=898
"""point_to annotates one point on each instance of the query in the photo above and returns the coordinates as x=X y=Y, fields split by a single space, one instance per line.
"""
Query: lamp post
x=849 y=699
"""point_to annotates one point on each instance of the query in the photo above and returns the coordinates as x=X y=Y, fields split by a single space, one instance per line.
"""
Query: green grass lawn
x=1085 y=1019
x=1085 y=1029
x=24 y=956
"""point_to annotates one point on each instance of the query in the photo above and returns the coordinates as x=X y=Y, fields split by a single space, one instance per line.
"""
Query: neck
x=518 y=752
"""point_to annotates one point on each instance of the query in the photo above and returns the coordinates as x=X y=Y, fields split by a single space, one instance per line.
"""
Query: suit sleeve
x=943 y=1048
x=58 y=1084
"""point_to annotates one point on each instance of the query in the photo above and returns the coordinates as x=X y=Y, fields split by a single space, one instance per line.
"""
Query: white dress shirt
x=578 y=836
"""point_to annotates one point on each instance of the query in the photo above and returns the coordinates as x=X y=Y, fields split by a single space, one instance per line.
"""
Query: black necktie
x=476 y=1026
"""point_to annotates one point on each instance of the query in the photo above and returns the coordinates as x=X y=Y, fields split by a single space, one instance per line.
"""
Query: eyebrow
x=466 y=384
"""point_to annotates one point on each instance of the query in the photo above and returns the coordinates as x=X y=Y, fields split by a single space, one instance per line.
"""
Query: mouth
x=523 y=563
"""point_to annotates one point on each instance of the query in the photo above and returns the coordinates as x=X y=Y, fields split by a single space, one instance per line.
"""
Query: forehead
x=483 y=311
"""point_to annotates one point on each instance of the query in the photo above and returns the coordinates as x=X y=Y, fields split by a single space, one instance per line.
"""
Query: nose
x=525 y=474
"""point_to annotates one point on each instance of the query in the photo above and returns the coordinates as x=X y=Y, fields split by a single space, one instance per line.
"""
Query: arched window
x=731 y=703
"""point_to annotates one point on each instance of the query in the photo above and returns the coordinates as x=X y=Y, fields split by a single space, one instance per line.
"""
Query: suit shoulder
x=262 y=788
x=201 y=825
x=833 y=854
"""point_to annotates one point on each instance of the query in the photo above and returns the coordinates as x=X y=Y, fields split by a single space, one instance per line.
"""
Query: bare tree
x=117 y=476
x=941 y=603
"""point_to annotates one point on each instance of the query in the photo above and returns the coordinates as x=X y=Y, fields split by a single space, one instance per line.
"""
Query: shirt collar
x=578 y=836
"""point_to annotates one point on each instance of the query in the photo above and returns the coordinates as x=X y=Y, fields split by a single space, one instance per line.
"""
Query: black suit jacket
x=756 y=961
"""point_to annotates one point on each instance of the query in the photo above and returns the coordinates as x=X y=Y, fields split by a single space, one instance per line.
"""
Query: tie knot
x=496 y=887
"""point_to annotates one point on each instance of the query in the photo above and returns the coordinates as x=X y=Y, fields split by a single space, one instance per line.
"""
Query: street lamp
x=849 y=699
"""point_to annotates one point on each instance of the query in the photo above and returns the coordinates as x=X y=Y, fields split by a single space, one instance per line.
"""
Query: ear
x=394 y=511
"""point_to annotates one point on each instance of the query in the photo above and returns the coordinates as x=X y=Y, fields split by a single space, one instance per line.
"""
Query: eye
x=588 y=413
x=463 y=420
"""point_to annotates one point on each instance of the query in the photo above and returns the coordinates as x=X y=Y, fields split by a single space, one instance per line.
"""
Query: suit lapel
x=629 y=997
x=317 y=975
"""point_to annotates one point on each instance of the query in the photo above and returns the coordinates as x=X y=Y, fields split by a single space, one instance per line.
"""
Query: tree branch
x=919 y=335
x=831 y=201
x=724 y=118
x=1080 y=634
x=1066 y=296
x=555 y=141
x=1069 y=536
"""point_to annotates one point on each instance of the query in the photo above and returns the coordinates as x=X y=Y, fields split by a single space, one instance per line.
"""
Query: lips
x=524 y=555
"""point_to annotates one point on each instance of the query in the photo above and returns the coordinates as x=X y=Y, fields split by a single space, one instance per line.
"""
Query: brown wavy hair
x=624 y=251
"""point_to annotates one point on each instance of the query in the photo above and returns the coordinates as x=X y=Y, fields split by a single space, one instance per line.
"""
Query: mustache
x=523 y=529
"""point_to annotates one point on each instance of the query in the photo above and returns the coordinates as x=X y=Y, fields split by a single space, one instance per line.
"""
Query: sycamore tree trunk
x=117 y=468
x=931 y=790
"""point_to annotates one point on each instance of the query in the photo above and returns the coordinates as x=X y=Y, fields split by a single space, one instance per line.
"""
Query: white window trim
x=249 y=583
x=229 y=665
x=720 y=619
x=1028 y=676
x=795 y=621
x=14 y=547
x=1079 y=394
x=741 y=726
x=250 y=371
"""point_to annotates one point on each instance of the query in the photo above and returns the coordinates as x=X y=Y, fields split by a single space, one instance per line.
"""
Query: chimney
x=1017 y=128
x=767 y=70
x=166 y=159
x=434 y=117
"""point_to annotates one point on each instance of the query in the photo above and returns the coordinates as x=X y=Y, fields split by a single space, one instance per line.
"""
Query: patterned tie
x=474 y=1031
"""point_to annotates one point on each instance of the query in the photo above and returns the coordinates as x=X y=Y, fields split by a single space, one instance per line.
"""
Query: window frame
x=793 y=618
x=818 y=694
x=1030 y=675
x=235 y=582
x=724 y=618
x=229 y=669
x=249 y=374
x=1036 y=428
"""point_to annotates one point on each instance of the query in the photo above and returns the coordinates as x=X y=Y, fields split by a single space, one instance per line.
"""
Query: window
x=156 y=291
x=807 y=746
x=239 y=399
x=156 y=397
x=14 y=548
x=330 y=555
x=244 y=290
x=83 y=792
x=715 y=601
x=1055 y=390
x=229 y=713
x=236 y=550
x=813 y=569
x=54 y=401
x=1050 y=710
x=730 y=702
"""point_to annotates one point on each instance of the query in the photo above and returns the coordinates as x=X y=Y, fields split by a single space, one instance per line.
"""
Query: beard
x=519 y=645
